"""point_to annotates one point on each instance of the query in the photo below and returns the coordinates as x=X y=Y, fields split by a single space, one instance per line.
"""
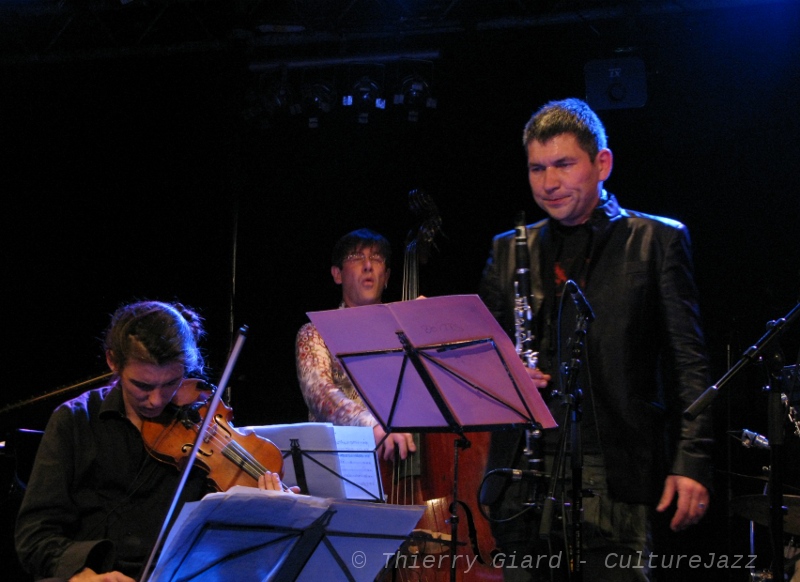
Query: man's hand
x=540 y=379
x=402 y=442
x=693 y=501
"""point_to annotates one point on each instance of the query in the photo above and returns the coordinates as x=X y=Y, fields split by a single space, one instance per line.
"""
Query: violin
x=229 y=457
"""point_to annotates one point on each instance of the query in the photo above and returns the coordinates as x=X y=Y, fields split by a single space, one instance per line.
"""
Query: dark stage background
x=146 y=178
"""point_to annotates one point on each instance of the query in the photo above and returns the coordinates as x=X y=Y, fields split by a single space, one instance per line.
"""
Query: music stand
x=465 y=374
x=250 y=534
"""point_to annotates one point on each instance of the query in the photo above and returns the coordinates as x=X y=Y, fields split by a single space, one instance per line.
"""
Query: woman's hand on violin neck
x=89 y=575
x=270 y=481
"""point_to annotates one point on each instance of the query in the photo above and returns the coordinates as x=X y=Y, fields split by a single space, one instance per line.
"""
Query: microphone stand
x=573 y=398
x=775 y=432
x=776 y=443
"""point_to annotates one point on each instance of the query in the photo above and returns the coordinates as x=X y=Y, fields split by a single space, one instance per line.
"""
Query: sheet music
x=359 y=466
x=331 y=455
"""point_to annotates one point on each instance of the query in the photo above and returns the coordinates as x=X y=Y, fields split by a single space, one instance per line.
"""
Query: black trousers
x=615 y=536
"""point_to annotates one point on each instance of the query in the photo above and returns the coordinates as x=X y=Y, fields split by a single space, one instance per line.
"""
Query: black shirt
x=96 y=498
x=571 y=253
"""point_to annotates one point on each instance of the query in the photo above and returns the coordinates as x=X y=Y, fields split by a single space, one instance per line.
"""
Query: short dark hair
x=567 y=116
x=355 y=241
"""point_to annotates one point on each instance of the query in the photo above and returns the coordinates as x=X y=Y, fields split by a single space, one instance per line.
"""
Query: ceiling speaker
x=615 y=83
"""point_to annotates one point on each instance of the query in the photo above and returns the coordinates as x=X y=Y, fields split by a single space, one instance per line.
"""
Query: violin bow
x=212 y=407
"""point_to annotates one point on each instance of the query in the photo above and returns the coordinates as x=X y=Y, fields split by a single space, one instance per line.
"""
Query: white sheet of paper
x=361 y=464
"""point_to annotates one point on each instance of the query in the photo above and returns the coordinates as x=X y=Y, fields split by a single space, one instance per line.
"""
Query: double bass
x=427 y=477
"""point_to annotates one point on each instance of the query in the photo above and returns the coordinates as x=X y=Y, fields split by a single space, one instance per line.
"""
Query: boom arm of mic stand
x=751 y=354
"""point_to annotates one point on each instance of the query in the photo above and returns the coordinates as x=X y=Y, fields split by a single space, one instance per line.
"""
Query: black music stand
x=465 y=374
x=249 y=534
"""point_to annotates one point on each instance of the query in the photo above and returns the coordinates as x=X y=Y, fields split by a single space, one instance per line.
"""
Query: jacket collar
x=608 y=209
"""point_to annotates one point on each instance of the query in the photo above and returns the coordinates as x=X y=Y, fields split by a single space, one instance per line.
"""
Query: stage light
x=319 y=98
x=271 y=99
x=365 y=96
x=281 y=99
x=414 y=93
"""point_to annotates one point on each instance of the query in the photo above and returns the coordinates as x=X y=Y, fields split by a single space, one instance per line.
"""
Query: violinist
x=360 y=264
x=97 y=496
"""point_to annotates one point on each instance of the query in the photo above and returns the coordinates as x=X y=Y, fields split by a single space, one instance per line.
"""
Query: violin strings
x=234 y=452
x=243 y=459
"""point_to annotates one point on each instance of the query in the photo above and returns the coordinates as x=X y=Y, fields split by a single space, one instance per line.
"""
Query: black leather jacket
x=645 y=350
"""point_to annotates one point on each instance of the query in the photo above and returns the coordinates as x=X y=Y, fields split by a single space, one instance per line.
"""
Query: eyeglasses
x=360 y=258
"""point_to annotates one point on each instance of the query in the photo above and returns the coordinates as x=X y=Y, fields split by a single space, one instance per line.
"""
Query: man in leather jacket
x=643 y=358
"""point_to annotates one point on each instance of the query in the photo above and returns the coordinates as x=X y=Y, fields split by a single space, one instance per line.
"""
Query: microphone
x=753 y=439
x=580 y=300
x=518 y=474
